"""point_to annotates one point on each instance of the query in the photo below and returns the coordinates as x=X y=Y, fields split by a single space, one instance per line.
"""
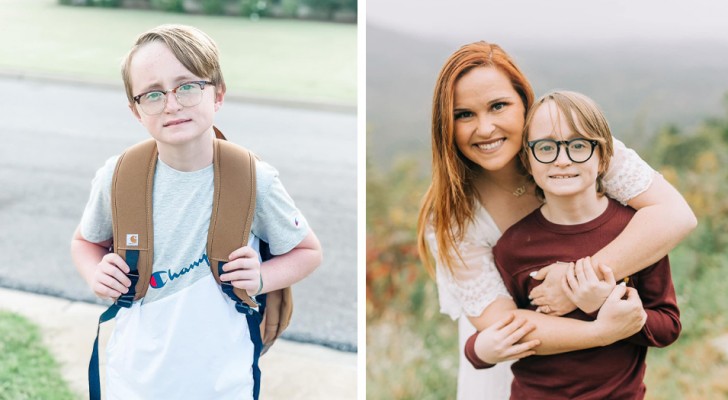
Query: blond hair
x=192 y=47
x=450 y=200
x=584 y=117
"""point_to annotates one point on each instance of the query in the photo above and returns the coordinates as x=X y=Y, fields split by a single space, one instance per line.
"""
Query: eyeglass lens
x=578 y=150
x=187 y=94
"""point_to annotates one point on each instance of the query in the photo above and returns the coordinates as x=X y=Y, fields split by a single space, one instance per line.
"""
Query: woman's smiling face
x=488 y=116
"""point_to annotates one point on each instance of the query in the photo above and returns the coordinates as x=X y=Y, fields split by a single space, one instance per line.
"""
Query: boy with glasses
x=184 y=339
x=567 y=146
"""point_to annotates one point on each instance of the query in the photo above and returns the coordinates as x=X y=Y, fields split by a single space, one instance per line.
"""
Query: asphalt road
x=55 y=135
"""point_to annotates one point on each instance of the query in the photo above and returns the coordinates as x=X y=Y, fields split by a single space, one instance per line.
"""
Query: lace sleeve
x=472 y=286
x=628 y=175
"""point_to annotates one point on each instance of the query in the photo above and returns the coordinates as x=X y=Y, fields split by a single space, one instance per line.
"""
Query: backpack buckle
x=126 y=300
x=243 y=308
x=228 y=289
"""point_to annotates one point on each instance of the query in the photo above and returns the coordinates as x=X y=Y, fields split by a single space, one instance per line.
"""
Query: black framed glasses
x=578 y=150
x=188 y=94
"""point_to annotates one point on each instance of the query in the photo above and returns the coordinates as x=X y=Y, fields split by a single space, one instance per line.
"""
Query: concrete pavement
x=290 y=370
x=50 y=152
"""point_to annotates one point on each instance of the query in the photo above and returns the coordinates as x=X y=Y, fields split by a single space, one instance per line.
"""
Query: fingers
x=109 y=288
x=634 y=298
x=546 y=309
x=241 y=275
x=567 y=289
x=579 y=271
x=500 y=340
x=110 y=280
x=541 y=273
x=537 y=292
x=632 y=295
x=116 y=260
x=244 y=263
x=608 y=274
x=517 y=350
x=589 y=271
x=243 y=252
x=617 y=293
x=243 y=269
x=520 y=355
x=503 y=322
x=517 y=329
x=522 y=350
x=539 y=301
x=571 y=277
x=114 y=268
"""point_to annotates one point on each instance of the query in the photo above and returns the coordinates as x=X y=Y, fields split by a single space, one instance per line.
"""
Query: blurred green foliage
x=315 y=9
x=411 y=347
x=412 y=350
x=307 y=61
x=165 y=5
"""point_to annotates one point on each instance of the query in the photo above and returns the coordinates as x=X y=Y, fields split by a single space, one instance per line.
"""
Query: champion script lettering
x=161 y=278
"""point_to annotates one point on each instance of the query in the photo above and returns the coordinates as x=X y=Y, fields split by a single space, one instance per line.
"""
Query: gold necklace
x=517 y=192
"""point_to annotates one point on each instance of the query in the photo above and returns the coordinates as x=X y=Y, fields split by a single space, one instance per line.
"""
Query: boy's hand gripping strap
x=131 y=208
x=233 y=207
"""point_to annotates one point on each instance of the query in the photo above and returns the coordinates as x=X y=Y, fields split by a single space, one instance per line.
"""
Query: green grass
x=412 y=359
x=691 y=368
x=300 y=60
x=27 y=370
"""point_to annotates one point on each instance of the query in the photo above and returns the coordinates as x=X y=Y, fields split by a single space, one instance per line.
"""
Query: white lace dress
x=475 y=285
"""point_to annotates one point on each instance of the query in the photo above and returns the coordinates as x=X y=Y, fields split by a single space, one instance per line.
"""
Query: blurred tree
x=696 y=163
x=168 y=5
x=326 y=9
x=213 y=7
x=330 y=7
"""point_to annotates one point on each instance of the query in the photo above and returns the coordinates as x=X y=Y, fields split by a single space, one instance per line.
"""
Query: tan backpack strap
x=233 y=206
x=131 y=208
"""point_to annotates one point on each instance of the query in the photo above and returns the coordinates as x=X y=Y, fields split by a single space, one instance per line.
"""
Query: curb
x=290 y=370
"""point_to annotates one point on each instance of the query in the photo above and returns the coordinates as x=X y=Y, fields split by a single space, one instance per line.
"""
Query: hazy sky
x=545 y=21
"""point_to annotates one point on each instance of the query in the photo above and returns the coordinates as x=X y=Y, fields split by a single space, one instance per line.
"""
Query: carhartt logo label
x=132 y=239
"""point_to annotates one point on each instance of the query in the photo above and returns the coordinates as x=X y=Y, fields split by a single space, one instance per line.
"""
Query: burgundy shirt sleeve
x=655 y=288
x=472 y=357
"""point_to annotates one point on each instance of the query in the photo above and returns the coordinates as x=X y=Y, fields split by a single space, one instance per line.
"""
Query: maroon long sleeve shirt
x=610 y=372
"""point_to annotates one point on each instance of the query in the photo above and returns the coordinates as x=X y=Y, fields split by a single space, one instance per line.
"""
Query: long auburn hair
x=449 y=202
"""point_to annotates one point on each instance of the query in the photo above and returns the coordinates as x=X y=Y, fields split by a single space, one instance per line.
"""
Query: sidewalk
x=290 y=370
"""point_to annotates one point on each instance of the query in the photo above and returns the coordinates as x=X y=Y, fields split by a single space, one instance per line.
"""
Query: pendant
x=520 y=191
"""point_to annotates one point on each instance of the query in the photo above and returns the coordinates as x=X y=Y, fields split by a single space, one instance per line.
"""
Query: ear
x=134 y=111
x=219 y=98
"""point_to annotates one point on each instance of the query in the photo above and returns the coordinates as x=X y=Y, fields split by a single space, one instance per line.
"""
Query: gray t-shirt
x=170 y=329
x=182 y=204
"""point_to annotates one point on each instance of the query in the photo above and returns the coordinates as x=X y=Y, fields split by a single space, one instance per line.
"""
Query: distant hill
x=640 y=86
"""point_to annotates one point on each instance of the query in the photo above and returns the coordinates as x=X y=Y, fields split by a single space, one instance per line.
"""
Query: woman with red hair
x=479 y=189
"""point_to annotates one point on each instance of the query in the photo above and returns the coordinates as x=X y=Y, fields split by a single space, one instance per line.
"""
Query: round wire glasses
x=188 y=94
